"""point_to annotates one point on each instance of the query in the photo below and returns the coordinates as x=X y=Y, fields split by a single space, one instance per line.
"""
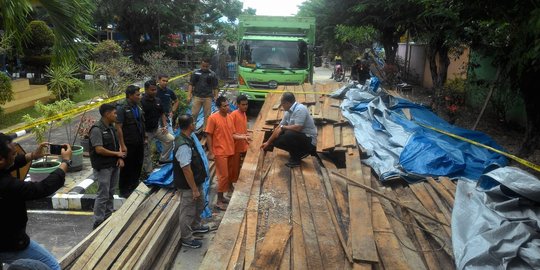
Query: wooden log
x=361 y=227
x=272 y=248
x=388 y=246
x=313 y=254
x=119 y=219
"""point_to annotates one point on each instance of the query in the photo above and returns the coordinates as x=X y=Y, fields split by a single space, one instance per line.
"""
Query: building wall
x=456 y=69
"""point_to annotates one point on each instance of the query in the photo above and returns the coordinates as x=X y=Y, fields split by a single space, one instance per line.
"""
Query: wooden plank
x=429 y=256
x=449 y=185
x=272 y=248
x=239 y=249
x=119 y=219
x=298 y=254
x=361 y=227
x=337 y=135
x=313 y=254
x=219 y=253
x=440 y=204
x=348 y=139
x=310 y=97
x=333 y=254
x=414 y=259
x=328 y=142
x=442 y=191
x=169 y=252
x=169 y=221
x=133 y=228
x=319 y=140
x=76 y=251
x=427 y=201
x=298 y=91
x=388 y=246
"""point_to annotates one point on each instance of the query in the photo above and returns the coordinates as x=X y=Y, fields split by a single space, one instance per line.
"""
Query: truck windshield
x=273 y=54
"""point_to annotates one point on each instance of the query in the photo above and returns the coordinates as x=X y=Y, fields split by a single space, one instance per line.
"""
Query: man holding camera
x=14 y=242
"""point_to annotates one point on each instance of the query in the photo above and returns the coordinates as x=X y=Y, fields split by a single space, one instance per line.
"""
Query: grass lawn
x=87 y=93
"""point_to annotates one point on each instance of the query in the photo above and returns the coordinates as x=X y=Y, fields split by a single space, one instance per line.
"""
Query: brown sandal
x=220 y=207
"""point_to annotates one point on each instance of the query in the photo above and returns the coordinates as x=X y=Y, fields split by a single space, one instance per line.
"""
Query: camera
x=56 y=149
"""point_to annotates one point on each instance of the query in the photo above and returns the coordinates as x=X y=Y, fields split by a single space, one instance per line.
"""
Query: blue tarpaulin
x=398 y=146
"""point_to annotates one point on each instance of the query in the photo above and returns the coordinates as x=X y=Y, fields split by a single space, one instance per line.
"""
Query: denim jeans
x=34 y=251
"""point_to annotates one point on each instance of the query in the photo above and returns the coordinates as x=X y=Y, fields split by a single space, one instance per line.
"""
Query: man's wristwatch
x=68 y=162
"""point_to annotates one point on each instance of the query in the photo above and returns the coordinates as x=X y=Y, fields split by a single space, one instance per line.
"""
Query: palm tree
x=71 y=21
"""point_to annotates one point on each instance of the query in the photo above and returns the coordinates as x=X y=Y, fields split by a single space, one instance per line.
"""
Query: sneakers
x=192 y=244
x=293 y=163
x=201 y=229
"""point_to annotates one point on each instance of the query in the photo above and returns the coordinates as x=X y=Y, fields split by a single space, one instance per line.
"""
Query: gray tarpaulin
x=495 y=222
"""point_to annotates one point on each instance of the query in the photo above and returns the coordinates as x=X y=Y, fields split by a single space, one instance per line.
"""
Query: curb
x=75 y=199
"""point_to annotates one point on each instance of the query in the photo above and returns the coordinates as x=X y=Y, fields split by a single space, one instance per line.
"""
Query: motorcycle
x=339 y=74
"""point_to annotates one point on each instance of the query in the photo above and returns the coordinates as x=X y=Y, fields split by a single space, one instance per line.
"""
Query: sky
x=274 y=7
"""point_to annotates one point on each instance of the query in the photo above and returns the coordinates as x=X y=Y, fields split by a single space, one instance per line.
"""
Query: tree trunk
x=390 y=45
x=529 y=81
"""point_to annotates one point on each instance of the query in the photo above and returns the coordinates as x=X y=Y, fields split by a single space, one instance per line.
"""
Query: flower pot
x=40 y=170
x=85 y=143
x=76 y=158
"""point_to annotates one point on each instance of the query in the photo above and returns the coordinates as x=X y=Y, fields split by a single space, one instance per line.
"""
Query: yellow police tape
x=519 y=160
x=79 y=109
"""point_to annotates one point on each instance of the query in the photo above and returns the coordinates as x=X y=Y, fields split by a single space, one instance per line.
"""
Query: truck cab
x=274 y=51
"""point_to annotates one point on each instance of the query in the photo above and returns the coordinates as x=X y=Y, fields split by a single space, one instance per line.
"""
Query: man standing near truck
x=202 y=89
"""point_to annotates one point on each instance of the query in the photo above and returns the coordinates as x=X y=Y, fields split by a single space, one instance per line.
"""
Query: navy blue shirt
x=166 y=96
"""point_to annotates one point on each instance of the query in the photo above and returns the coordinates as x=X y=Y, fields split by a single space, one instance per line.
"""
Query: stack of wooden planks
x=319 y=216
x=142 y=234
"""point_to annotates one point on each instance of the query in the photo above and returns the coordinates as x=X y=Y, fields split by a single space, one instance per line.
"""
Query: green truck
x=274 y=51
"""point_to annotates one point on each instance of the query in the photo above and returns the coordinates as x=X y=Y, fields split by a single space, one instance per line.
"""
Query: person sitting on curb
x=14 y=242
x=296 y=133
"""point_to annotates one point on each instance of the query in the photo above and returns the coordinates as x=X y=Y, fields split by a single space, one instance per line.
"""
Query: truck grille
x=264 y=85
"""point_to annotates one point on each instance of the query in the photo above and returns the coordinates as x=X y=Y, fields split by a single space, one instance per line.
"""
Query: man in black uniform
x=131 y=134
x=107 y=159
x=156 y=125
x=202 y=89
x=14 y=242
x=189 y=175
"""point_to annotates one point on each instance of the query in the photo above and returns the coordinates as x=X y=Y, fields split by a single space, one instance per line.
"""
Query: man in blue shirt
x=168 y=98
x=296 y=133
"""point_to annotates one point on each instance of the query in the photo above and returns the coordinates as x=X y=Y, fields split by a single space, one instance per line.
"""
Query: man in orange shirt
x=240 y=135
x=219 y=130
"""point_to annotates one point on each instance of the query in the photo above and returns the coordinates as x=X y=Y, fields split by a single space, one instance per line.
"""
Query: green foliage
x=106 y=50
x=361 y=35
x=40 y=38
x=49 y=110
x=157 y=63
x=71 y=21
x=62 y=82
x=6 y=90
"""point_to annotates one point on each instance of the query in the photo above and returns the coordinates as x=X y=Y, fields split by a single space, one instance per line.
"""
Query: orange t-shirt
x=239 y=120
x=221 y=128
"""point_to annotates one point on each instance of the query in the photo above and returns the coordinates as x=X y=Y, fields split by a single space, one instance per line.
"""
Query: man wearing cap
x=296 y=133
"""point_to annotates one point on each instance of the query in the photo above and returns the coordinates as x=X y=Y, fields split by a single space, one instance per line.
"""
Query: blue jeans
x=33 y=251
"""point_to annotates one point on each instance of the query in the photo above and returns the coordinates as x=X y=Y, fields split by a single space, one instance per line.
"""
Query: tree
x=147 y=25
x=37 y=47
x=71 y=21
x=509 y=32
